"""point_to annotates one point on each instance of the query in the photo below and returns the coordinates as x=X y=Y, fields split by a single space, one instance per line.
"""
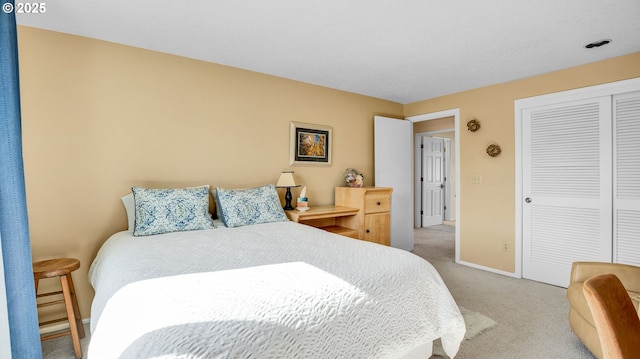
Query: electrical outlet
x=505 y=247
x=476 y=179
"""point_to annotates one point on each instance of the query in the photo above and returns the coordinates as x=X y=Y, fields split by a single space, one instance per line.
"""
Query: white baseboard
x=489 y=269
x=59 y=326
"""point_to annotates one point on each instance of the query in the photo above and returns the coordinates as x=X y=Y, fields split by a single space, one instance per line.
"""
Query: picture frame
x=310 y=144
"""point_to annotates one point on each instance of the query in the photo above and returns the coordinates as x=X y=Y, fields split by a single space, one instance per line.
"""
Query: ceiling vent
x=598 y=43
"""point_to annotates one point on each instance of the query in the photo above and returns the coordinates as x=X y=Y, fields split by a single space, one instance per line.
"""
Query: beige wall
x=99 y=118
x=434 y=125
x=487 y=218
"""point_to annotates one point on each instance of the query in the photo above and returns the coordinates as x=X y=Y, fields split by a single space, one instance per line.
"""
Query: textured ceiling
x=403 y=51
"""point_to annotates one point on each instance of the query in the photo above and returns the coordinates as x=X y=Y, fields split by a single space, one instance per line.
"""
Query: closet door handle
x=528 y=200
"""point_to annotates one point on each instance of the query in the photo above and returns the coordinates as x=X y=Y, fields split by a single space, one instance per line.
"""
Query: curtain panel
x=14 y=227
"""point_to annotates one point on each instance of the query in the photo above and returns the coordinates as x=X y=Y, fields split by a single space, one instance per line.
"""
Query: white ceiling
x=402 y=50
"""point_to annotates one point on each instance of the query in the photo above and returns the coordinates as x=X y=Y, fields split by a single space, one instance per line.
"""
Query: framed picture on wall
x=310 y=144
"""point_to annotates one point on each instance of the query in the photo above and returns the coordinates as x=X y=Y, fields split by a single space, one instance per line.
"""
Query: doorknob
x=442 y=186
x=528 y=200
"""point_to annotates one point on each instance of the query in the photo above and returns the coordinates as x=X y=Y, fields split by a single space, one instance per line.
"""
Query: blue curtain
x=14 y=226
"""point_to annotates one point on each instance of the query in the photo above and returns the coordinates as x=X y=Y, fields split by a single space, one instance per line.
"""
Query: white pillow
x=130 y=208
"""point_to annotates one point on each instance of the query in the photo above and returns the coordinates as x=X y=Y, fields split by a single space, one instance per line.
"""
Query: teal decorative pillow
x=171 y=210
x=241 y=207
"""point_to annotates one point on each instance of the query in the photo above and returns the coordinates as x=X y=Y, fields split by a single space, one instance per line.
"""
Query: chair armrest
x=629 y=275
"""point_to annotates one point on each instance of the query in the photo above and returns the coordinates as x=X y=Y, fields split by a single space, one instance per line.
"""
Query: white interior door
x=393 y=168
x=567 y=164
x=432 y=195
x=626 y=185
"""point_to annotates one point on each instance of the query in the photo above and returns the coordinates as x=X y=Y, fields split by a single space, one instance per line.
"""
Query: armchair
x=616 y=318
x=580 y=318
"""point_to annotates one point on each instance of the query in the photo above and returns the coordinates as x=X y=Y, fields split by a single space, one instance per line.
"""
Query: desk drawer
x=375 y=202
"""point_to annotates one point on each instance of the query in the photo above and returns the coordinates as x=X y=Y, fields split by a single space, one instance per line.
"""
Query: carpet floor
x=532 y=317
x=62 y=348
x=476 y=324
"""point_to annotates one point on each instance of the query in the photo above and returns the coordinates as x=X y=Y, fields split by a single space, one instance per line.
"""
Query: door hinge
x=421 y=179
x=421 y=212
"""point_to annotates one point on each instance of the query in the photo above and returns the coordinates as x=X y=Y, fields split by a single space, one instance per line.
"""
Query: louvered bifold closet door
x=626 y=204
x=567 y=187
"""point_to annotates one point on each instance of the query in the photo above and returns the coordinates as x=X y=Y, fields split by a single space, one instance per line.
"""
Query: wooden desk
x=324 y=217
x=373 y=221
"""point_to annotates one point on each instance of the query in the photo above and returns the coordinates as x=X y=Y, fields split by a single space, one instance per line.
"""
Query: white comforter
x=277 y=290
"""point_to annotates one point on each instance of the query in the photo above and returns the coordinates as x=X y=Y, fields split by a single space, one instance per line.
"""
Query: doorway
x=441 y=125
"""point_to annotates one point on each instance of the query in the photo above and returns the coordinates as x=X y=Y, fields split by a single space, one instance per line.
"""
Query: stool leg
x=73 y=323
x=36 y=279
x=76 y=308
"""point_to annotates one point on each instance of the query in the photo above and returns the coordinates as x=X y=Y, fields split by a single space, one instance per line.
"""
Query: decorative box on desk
x=373 y=220
x=326 y=217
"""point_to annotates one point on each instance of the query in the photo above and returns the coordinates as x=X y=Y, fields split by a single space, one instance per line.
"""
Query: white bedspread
x=277 y=290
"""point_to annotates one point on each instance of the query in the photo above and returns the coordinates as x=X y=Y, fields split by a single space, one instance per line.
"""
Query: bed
x=274 y=289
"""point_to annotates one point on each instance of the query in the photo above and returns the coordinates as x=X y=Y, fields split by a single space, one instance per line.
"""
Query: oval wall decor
x=493 y=150
x=473 y=125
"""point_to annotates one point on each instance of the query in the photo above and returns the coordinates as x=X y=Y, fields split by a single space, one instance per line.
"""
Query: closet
x=580 y=179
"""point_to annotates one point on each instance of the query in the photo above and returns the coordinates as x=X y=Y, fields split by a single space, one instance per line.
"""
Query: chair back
x=614 y=315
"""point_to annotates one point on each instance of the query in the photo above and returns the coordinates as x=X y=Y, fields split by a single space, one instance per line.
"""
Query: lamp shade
x=286 y=180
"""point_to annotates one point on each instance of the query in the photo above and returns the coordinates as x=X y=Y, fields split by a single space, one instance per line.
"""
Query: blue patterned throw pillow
x=171 y=210
x=241 y=207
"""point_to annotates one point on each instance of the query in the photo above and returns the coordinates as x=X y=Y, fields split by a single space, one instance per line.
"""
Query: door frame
x=520 y=105
x=455 y=113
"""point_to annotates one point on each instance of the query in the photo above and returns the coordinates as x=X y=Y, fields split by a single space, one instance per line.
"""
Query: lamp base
x=288 y=197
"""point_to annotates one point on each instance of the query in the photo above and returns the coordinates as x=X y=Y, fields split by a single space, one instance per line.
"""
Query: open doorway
x=439 y=129
x=434 y=171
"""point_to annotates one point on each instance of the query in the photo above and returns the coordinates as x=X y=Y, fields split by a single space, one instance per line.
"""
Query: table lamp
x=287 y=181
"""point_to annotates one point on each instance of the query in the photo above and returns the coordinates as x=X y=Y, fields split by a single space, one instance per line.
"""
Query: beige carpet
x=532 y=317
x=62 y=348
x=476 y=324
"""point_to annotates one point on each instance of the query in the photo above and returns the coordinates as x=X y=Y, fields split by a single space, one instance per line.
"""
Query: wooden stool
x=62 y=267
